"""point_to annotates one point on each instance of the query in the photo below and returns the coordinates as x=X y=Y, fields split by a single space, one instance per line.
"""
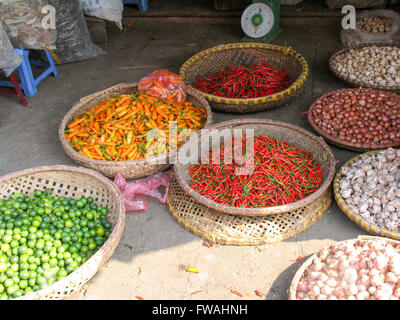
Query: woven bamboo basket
x=300 y=272
x=209 y=62
x=359 y=147
x=281 y=130
x=132 y=169
x=358 y=83
x=72 y=182
x=355 y=217
x=229 y=229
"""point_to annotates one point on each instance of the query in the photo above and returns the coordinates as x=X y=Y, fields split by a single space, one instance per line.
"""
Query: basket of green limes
x=58 y=226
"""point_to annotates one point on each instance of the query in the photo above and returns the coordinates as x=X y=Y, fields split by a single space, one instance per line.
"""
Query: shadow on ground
x=280 y=287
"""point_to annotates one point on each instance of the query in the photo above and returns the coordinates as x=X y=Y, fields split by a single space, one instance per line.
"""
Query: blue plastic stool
x=141 y=3
x=28 y=83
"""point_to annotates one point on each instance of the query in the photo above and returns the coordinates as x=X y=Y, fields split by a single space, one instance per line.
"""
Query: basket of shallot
x=367 y=189
x=367 y=268
x=361 y=119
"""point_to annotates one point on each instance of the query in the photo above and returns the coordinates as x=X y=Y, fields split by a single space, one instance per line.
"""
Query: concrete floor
x=153 y=249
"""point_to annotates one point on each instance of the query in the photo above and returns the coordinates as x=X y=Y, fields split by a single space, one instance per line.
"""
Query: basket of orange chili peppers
x=246 y=77
x=260 y=167
x=122 y=130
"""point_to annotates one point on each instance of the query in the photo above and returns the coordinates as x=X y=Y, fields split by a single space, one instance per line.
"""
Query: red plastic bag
x=163 y=84
x=135 y=193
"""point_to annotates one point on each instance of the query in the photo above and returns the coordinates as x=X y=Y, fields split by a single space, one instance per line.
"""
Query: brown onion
x=369 y=116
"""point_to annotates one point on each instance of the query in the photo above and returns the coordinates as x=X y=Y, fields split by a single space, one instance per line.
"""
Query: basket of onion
x=367 y=268
x=361 y=119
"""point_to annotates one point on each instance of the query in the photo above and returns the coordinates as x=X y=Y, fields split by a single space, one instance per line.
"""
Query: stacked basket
x=252 y=226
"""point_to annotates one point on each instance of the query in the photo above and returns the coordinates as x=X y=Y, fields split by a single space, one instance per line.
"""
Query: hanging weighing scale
x=261 y=20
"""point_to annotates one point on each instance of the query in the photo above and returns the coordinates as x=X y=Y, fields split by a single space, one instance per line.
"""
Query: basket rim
x=336 y=141
x=355 y=83
x=363 y=223
x=179 y=169
x=118 y=225
x=104 y=163
x=294 y=87
x=300 y=271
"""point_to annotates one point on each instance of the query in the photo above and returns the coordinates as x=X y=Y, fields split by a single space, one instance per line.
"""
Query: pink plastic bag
x=135 y=193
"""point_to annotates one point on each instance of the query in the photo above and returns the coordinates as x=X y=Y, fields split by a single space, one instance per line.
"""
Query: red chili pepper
x=282 y=174
x=208 y=244
x=259 y=293
x=245 y=82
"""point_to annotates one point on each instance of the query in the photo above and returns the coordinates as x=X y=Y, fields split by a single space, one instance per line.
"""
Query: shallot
x=359 y=116
x=377 y=280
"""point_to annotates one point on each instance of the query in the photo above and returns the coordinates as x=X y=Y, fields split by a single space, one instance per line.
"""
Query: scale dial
x=257 y=20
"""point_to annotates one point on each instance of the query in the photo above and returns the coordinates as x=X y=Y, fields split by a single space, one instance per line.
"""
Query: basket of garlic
x=367 y=190
x=367 y=268
x=370 y=65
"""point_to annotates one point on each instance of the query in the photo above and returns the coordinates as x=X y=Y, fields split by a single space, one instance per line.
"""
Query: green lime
x=100 y=232
x=3 y=267
x=5 y=247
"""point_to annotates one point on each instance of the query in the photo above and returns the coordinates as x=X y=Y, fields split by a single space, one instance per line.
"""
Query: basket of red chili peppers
x=255 y=167
x=246 y=77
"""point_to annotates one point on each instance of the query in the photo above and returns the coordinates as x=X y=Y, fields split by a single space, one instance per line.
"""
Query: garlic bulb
x=370 y=65
x=377 y=199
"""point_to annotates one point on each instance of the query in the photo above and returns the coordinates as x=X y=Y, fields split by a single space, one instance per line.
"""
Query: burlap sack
x=357 y=36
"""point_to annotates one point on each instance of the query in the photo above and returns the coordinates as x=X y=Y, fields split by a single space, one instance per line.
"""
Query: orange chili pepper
x=237 y=293
x=197 y=291
x=116 y=129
